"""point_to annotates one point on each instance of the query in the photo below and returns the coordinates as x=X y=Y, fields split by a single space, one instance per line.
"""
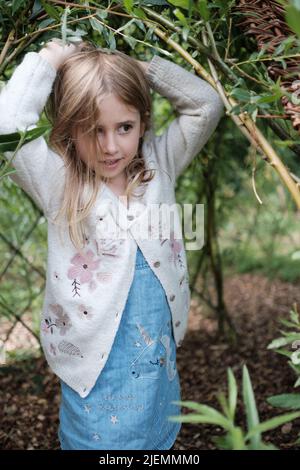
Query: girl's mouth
x=111 y=163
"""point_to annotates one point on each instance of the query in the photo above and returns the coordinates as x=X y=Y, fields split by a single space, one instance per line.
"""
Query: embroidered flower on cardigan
x=176 y=250
x=82 y=271
x=85 y=312
x=61 y=321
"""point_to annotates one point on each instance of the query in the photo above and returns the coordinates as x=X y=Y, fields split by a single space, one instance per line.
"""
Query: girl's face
x=119 y=131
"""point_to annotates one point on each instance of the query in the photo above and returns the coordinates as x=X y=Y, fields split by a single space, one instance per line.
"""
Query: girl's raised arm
x=21 y=102
x=199 y=110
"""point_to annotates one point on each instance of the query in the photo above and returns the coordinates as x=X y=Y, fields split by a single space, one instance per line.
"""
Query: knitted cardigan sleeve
x=21 y=102
x=199 y=109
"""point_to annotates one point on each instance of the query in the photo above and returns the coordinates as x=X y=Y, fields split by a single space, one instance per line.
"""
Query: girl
x=116 y=303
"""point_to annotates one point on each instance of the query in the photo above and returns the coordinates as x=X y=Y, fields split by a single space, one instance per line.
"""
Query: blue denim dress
x=129 y=405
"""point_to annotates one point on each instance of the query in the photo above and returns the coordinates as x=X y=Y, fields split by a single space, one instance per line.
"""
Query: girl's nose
x=109 y=144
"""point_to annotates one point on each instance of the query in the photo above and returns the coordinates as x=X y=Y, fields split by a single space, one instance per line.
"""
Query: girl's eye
x=127 y=127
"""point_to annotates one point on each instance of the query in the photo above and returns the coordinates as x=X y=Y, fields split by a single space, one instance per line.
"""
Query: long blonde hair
x=81 y=81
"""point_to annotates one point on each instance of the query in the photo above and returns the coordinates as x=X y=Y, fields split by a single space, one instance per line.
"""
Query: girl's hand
x=55 y=53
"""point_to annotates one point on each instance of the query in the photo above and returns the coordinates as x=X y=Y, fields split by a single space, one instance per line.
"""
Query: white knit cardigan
x=86 y=294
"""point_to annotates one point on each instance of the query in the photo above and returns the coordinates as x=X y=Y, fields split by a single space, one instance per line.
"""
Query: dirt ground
x=29 y=397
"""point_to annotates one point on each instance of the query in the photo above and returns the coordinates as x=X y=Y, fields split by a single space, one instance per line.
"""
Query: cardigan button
x=130 y=217
x=156 y=264
x=172 y=297
x=177 y=323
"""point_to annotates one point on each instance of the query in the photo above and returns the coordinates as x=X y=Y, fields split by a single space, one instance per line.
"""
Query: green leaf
x=45 y=23
x=185 y=33
x=128 y=5
x=292 y=16
x=154 y=2
x=285 y=400
x=102 y=14
x=224 y=405
x=269 y=98
x=194 y=418
x=112 y=40
x=180 y=3
x=241 y=94
x=272 y=424
x=96 y=25
x=178 y=13
x=250 y=406
x=237 y=439
x=278 y=342
x=51 y=10
x=203 y=9
x=149 y=33
x=131 y=41
x=287 y=323
x=206 y=412
x=233 y=392
x=293 y=314
x=234 y=440
x=297 y=383
x=139 y=12
x=16 y=4
x=9 y=142
x=283 y=352
x=295 y=357
x=139 y=24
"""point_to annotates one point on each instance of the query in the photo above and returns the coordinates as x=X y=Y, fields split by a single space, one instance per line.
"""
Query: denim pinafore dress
x=129 y=405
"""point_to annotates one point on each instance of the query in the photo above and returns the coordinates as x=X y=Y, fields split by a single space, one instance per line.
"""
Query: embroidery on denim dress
x=147 y=364
x=171 y=365
x=155 y=355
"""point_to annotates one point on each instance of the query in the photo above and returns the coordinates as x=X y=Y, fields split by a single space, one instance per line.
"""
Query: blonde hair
x=81 y=81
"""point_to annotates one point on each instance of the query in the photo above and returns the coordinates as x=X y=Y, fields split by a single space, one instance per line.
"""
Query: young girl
x=116 y=303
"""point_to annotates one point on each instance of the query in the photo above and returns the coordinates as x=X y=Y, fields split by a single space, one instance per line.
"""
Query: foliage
x=290 y=337
x=236 y=437
x=289 y=401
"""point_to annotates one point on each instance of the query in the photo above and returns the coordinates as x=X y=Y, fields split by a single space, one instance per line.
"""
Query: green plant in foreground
x=290 y=338
x=289 y=401
x=235 y=438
